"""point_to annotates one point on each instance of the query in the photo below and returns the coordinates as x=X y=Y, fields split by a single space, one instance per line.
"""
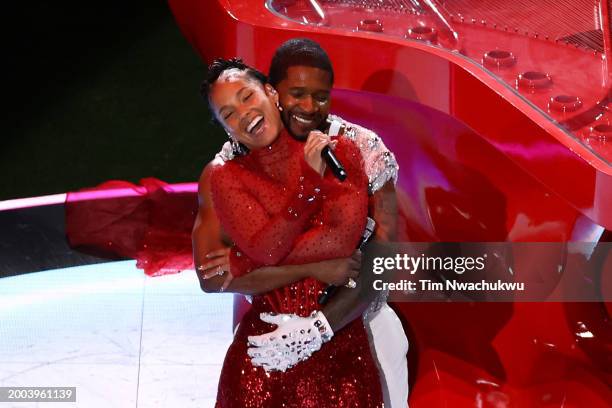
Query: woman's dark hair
x=219 y=65
x=298 y=51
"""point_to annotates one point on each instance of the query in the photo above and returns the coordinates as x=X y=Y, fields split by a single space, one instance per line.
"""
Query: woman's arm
x=263 y=238
x=344 y=213
x=338 y=232
x=207 y=237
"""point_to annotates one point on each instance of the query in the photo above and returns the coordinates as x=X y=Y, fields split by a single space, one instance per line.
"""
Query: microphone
x=335 y=128
x=367 y=234
x=333 y=163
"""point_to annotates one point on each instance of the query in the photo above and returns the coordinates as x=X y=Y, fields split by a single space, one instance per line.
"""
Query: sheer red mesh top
x=279 y=211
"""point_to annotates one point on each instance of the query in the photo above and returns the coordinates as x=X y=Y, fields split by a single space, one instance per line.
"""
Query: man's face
x=304 y=96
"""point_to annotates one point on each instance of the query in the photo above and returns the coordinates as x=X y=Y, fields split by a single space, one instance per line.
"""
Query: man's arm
x=348 y=304
x=381 y=167
x=206 y=234
x=271 y=351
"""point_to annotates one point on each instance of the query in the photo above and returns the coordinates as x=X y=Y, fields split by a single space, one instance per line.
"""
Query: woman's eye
x=246 y=98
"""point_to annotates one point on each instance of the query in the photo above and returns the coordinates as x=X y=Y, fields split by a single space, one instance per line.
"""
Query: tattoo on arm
x=383 y=208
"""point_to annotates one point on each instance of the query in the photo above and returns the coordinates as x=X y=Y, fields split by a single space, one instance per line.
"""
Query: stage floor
x=121 y=338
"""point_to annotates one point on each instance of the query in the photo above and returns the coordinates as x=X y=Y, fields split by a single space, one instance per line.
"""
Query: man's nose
x=308 y=104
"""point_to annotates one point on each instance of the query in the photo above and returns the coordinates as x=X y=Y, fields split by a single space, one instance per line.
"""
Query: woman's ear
x=271 y=92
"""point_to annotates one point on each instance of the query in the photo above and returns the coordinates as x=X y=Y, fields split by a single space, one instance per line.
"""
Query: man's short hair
x=220 y=65
x=298 y=51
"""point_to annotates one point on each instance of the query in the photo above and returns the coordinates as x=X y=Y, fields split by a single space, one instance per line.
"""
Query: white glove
x=294 y=340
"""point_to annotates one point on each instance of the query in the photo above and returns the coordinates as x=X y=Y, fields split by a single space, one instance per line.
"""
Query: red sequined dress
x=279 y=211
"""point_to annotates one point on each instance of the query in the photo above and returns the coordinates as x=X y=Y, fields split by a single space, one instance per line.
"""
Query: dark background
x=99 y=91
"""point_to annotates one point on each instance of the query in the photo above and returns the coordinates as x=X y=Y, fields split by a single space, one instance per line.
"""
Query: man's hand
x=338 y=271
x=218 y=264
x=294 y=340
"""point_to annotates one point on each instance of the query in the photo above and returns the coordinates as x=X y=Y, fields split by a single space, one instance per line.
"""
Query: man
x=302 y=74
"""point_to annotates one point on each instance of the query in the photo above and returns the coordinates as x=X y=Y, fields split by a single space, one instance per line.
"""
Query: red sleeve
x=264 y=238
x=240 y=264
x=344 y=212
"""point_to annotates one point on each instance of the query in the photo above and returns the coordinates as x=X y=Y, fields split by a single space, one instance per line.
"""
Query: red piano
x=499 y=115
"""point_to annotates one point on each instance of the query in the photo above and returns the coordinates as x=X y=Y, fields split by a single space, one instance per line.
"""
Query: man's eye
x=322 y=98
x=246 y=98
x=226 y=117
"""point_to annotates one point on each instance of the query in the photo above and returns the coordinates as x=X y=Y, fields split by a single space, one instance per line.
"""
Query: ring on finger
x=351 y=284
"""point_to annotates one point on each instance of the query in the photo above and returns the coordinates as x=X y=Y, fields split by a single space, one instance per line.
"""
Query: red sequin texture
x=278 y=211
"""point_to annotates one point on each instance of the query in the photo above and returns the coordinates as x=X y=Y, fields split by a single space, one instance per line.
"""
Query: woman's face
x=246 y=109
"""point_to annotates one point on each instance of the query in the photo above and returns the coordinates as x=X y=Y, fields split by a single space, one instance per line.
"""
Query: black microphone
x=328 y=155
x=333 y=163
x=329 y=291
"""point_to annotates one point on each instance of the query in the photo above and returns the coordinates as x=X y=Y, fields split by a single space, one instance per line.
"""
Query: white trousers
x=389 y=347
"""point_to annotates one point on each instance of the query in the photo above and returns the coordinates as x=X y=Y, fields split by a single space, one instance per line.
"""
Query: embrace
x=274 y=223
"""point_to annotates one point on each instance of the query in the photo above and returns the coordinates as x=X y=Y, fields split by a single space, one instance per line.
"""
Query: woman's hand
x=338 y=271
x=219 y=264
x=312 y=150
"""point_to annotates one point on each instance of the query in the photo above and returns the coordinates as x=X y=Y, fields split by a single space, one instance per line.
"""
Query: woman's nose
x=242 y=111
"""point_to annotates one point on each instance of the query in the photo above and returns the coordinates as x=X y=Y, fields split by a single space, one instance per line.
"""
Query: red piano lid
x=333 y=23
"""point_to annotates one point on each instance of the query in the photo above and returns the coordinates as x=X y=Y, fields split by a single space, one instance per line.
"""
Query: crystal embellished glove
x=294 y=340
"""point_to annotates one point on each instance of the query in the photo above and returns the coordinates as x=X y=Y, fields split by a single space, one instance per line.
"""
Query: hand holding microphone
x=336 y=128
x=318 y=151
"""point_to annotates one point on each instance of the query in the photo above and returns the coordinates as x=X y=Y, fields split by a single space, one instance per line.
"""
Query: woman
x=280 y=206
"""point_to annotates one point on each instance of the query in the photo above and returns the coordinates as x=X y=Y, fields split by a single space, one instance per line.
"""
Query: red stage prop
x=498 y=113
